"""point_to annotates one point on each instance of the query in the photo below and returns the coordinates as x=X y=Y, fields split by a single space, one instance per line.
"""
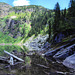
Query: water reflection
x=33 y=65
x=26 y=68
x=9 y=48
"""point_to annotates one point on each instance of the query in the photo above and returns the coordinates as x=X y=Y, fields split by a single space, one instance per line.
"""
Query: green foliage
x=63 y=19
x=18 y=16
x=71 y=10
x=39 y=22
x=24 y=29
x=24 y=21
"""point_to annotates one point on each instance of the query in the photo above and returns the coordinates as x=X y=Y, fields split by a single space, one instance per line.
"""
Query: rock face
x=15 y=20
x=13 y=27
x=70 y=61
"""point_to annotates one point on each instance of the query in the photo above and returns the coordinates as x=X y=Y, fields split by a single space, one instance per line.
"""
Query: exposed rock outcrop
x=12 y=27
x=64 y=54
x=37 y=43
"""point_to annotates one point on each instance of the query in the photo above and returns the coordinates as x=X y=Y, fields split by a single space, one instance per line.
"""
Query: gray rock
x=37 y=43
x=70 y=62
x=63 y=53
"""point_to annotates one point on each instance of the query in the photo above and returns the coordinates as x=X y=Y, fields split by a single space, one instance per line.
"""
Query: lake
x=33 y=65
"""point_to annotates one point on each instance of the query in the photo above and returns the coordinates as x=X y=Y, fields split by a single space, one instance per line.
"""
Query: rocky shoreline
x=64 y=54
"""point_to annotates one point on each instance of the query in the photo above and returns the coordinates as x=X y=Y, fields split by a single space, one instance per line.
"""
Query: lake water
x=33 y=65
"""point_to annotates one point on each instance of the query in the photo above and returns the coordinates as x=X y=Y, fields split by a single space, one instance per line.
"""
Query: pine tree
x=71 y=10
x=49 y=28
x=63 y=17
x=56 y=18
x=64 y=13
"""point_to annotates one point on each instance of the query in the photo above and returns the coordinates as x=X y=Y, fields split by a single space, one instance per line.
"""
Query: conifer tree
x=56 y=18
x=49 y=28
x=64 y=13
x=71 y=10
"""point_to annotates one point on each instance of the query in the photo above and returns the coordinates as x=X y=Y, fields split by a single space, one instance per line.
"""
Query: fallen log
x=1 y=57
x=43 y=66
x=11 y=55
x=59 y=72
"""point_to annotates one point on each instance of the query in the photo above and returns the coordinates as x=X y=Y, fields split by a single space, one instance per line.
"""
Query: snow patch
x=13 y=17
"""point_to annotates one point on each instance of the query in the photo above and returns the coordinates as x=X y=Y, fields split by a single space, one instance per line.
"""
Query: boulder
x=70 y=62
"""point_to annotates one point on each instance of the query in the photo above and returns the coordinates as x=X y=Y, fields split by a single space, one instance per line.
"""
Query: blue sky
x=45 y=3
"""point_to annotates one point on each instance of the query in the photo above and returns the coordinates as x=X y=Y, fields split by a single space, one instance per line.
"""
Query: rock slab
x=70 y=62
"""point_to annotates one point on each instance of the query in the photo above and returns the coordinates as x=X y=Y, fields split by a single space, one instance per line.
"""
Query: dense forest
x=63 y=21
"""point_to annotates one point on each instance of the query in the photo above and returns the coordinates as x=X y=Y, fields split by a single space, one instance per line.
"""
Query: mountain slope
x=4 y=9
x=23 y=21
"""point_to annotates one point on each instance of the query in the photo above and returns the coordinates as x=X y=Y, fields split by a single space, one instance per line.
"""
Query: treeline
x=63 y=19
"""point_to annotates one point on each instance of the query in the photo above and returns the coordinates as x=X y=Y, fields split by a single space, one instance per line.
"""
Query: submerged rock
x=70 y=62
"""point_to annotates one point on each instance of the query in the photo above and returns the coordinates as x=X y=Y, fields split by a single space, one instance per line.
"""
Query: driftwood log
x=11 y=55
x=11 y=61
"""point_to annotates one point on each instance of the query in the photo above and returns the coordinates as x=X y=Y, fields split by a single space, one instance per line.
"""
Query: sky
x=50 y=4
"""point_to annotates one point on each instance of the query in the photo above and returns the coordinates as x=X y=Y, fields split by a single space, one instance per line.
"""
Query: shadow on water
x=33 y=65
